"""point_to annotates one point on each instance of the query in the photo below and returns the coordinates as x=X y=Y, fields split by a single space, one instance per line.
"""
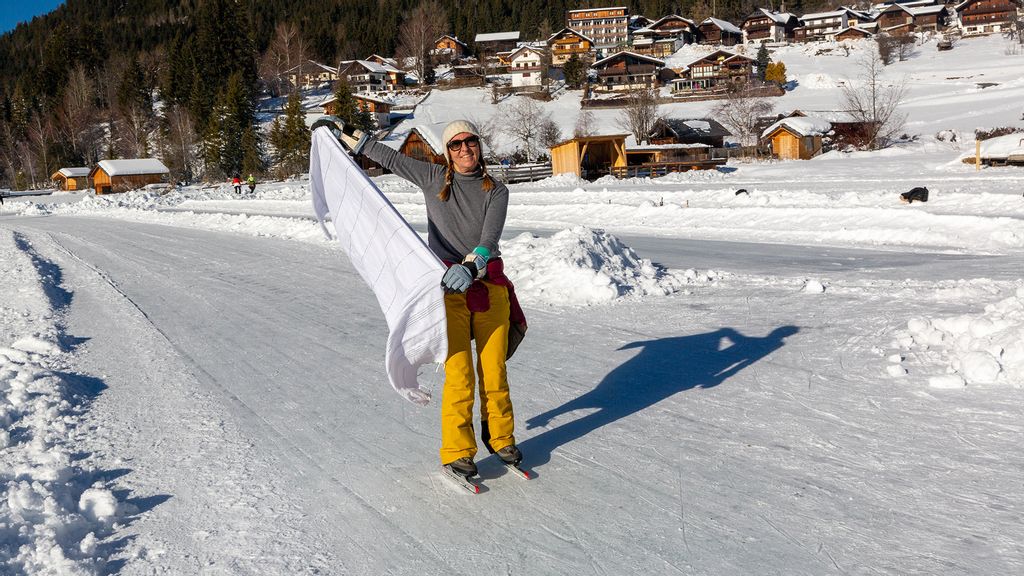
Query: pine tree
x=762 y=62
x=575 y=71
x=290 y=138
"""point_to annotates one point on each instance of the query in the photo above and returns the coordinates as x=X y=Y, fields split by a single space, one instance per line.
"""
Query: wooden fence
x=662 y=168
x=520 y=172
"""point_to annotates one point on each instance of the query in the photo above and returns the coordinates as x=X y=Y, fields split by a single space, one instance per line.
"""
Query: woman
x=465 y=216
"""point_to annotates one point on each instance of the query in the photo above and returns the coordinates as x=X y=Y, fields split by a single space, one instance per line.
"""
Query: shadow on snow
x=663 y=368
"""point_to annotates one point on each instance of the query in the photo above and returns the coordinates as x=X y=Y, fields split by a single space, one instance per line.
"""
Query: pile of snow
x=1001 y=147
x=581 y=267
x=50 y=521
x=979 y=349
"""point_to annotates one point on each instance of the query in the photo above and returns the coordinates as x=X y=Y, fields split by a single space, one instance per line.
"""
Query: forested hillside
x=81 y=83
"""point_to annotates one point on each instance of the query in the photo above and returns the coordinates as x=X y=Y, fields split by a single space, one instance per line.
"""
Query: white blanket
x=390 y=256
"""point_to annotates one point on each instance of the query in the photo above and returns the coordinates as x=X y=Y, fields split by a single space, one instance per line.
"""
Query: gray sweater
x=469 y=218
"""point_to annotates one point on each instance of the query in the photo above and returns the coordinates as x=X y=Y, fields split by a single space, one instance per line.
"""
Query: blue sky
x=14 y=11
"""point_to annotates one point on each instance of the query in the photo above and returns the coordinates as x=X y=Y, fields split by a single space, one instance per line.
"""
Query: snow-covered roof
x=653 y=25
x=372 y=66
x=856 y=28
x=654 y=61
x=819 y=15
x=778 y=17
x=1002 y=146
x=722 y=25
x=804 y=126
x=725 y=55
x=512 y=55
x=497 y=36
x=133 y=167
x=75 y=172
x=924 y=10
x=569 y=30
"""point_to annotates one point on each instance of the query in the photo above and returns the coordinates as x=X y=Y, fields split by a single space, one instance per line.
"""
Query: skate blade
x=524 y=474
x=459 y=480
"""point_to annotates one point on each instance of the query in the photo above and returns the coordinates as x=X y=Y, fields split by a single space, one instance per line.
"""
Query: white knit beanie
x=454 y=128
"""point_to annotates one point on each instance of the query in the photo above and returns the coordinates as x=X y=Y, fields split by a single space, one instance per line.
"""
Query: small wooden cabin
x=122 y=175
x=424 y=143
x=589 y=156
x=797 y=138
x=852 y=33
x=451 y=46
x=72 y=178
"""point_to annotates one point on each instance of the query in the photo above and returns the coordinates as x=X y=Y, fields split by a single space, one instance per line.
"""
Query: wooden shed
x=76 y=178
x=797 y=138
x=423 y=142
x=589 y=156
x=122 y=175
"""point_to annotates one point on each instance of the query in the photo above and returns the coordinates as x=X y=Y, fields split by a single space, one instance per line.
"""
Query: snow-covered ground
x=807 y=378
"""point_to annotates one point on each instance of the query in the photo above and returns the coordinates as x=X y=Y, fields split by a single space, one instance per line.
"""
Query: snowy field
x=810 y=378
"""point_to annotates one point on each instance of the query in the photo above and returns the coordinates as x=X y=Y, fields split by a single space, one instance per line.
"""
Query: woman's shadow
x=661 y=369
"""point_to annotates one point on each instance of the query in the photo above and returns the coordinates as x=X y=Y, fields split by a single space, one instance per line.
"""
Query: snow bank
x=979 y=349
x=50 y=522
x=581 y=266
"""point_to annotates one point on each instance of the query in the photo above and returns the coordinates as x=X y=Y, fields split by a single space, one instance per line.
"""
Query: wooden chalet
x=379 y=108
x=933 y=18
x=589 y=156
x=715 y=31
x=364 y=76
x=394 y=78
x=451 y=46
x=822 y=25
x=526 y=67
x=638 y=21
x=852 y=33
x=567 y=43
x=768 y=26
x=627 y=71
x=986 y=16
x=713 y=71
x=675 y=140
x=494 y=42
x=70 y=179
x=796 y=138
x=122 y=175
x=310 y=73
x=664 y=37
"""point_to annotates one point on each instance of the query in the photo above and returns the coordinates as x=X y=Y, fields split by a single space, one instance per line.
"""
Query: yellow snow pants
x=490 y=330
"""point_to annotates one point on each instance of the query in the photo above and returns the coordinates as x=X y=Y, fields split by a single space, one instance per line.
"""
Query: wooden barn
x=797 y=138
x=72 y=178
x=122 y=175
x=589 y=156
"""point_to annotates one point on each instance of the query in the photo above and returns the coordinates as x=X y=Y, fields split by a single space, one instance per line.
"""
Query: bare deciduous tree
x=76 y=113
x=875 y=102
x=550 y=133
x=905 y=45
x=741 y=111
x=180 y=143
x=640 y=113
x=524 y=120
x=585 y=124
x=287 y=50
x=420 y=29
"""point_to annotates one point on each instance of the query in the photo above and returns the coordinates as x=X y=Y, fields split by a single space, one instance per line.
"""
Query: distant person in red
x=237 y=183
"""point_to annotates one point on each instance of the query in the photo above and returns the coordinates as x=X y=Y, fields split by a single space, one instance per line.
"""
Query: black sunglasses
x=473 y=141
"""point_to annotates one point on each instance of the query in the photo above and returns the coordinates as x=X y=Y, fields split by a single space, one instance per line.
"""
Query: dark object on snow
x=919 y=194
x=742 y=191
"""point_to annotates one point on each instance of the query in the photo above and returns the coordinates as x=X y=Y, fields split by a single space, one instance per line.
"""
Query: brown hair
x=449 y=175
